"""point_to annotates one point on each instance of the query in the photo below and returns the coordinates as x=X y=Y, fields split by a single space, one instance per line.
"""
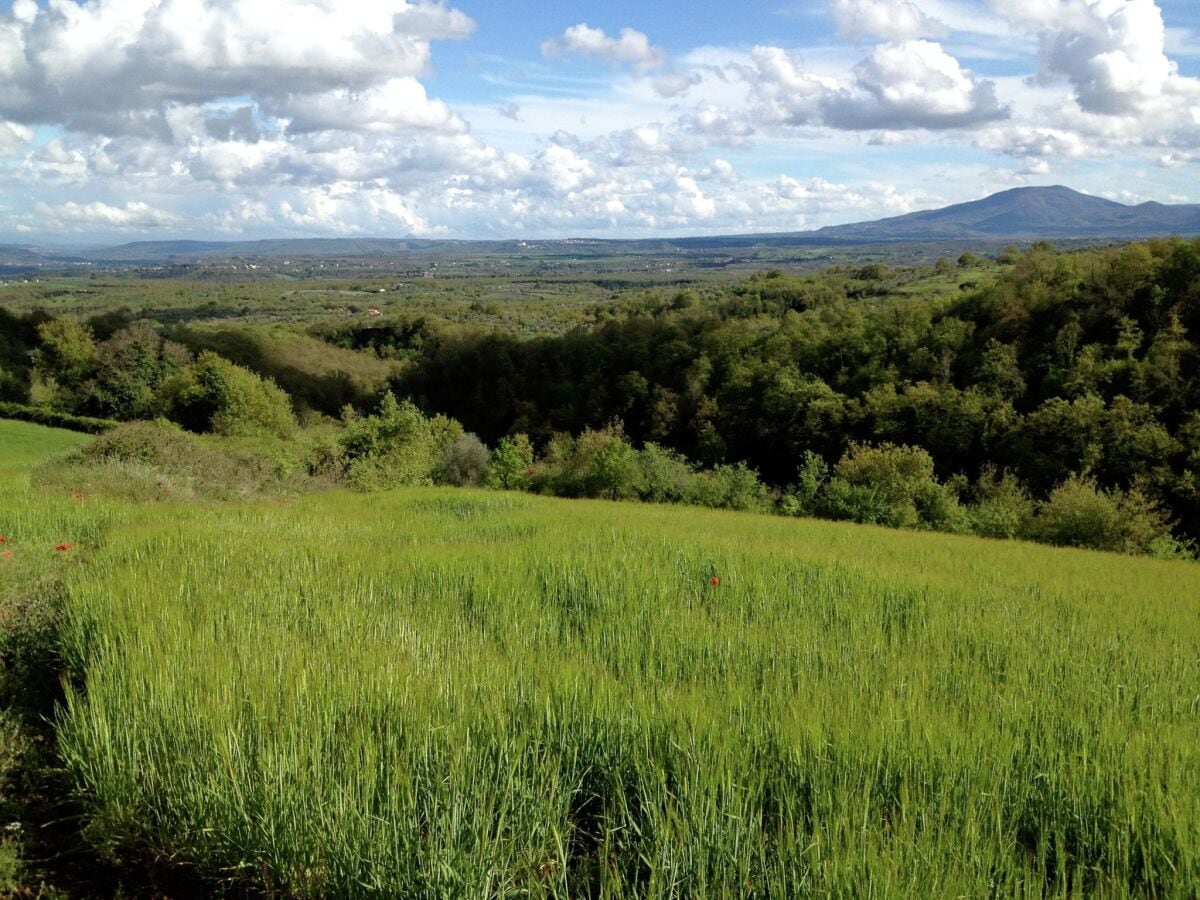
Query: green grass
x=454 y=693
x=23 y=445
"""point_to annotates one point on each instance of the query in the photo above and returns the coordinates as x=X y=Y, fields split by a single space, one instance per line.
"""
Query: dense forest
x=1066 y=381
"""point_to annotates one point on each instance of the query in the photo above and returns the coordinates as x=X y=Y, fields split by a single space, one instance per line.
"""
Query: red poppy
x=3 y=539
x=8 y=554
x=63 y=547
x=715 y=581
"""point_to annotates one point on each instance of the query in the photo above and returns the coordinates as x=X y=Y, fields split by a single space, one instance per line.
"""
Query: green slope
x=453 y=693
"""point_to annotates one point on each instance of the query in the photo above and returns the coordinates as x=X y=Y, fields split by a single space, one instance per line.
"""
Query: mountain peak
x=1025 y=213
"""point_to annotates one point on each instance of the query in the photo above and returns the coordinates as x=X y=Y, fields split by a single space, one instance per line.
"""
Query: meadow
x=447 y=692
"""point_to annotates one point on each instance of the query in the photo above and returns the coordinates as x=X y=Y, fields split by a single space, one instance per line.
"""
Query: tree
x=213 y=394
x=614 y=470
x=511 y=463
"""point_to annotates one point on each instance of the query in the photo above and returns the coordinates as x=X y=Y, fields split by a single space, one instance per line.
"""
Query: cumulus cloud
x=399 y=104
x=913 y=84
x=1111 y=52
x=75 y=217
x=1034 y=142
x=631 y=47
x=117 y=65
x=890 y=20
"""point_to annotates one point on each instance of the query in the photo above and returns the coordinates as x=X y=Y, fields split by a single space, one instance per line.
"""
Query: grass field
x=452 y=693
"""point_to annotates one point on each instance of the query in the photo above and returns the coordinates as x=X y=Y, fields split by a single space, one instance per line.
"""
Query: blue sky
x=124 y=119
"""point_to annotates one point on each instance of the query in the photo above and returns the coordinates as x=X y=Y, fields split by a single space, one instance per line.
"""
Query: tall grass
x=453 y=693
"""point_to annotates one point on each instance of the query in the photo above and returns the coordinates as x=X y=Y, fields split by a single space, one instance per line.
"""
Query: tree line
x=1067 y=385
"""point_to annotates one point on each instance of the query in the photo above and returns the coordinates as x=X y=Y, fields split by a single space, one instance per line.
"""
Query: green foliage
x=54 y=419
x=1079 y=514
x=665 y=475
x=159 y=462
x=614 y=470
x=397 y=445
x=464 y=462
x=67 y=351
x=892 y=485
x=14 y=387
x=805 y=497
x=511 y=463
x=1002 y=507
x=214 y=395
x=128 y=373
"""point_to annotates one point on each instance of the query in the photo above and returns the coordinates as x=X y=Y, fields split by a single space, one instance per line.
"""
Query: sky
x=244 y=119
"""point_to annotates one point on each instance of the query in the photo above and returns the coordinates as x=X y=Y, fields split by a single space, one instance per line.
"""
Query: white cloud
x=77 y=217
x=632 y=47
x=1034 y=142
x=890 y=20
x=116 y=65
x=914 y=84
x=399 y=104
x=1111 y=52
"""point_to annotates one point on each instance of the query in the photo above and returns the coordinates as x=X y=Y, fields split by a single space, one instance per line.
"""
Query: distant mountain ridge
x=1028 y=213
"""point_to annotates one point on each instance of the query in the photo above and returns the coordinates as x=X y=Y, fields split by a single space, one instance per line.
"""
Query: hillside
x=1028 y=213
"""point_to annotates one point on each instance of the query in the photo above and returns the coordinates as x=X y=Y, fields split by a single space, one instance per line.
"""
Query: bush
x=464 y=462
x=1080 y=514
x=806 y=496
x=614 y=472
x=52 y=419
x=214 y=395
x=729 y=487
x=393 y=447
x=665 y=475
x=892 y=485
x=598 y=463
x=150 y=461
x=1002 y=507
x=511 y=463
x=14 y=388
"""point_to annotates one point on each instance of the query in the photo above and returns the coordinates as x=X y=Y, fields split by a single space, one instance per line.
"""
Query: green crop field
x=443 y=692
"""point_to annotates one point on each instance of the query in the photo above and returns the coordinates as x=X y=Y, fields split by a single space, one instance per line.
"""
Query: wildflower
x=62 y=548
x=8 y=554
x=3 y=539
x=715 y=581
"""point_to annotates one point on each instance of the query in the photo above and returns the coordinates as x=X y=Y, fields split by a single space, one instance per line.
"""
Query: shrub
x=892 y=485
x=805 y=497
x=614 y=471
x=149 y=461
x=1078 y=514
x=665 y=474
x=511 y=463
x=1002 y=507
x=729 y=487
x=395 y=446
x=464 y=462
x=214 y=395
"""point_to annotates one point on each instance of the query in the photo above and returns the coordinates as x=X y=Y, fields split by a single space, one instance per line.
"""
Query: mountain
x=1027 y=213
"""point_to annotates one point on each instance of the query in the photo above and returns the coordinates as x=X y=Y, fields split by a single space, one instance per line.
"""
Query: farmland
x=444 y=692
